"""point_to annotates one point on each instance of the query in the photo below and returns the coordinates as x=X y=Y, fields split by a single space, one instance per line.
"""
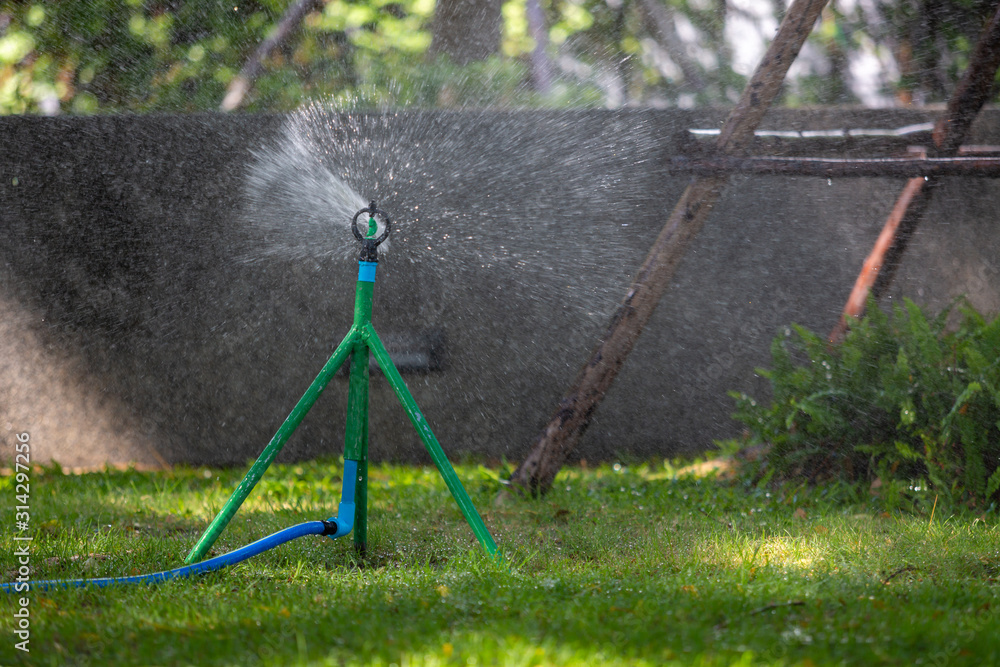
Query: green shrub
x=901 y=399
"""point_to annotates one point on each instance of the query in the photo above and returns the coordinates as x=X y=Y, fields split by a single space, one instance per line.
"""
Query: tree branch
x=243 y=82
x=541 y=67
x=661 y=19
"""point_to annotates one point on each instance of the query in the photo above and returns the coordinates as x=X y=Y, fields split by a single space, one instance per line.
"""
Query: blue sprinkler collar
x=366 y=271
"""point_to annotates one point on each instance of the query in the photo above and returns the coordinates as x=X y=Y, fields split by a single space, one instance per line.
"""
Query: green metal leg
x=369 y=335
x=361 y=508
x=356 y=440
x=292 y=422
x=360 y=340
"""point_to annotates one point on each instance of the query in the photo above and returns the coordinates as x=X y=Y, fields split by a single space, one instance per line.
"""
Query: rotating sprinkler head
x=369 y=242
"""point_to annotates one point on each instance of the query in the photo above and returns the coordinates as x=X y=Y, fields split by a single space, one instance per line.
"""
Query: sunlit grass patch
x=618 y=565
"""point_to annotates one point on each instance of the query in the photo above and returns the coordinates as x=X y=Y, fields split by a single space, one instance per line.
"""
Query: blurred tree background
x=101 y=56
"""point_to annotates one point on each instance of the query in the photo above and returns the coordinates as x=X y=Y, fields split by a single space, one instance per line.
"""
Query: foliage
x=123 y=54
x=902 y=398
x=595 y=574
x=133 y=55
x=163 y=55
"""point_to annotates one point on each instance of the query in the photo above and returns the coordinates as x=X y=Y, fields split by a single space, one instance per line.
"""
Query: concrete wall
x=135 y=329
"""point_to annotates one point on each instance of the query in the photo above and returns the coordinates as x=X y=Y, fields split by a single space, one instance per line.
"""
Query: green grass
x=628 y=566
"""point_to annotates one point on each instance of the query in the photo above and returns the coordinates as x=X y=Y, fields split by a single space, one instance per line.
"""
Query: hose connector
x=343 y=523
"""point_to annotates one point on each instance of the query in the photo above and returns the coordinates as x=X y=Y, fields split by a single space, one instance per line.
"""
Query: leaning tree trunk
x=571 y=419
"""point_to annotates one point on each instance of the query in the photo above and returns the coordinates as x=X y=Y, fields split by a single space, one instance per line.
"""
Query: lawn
x=630 y=565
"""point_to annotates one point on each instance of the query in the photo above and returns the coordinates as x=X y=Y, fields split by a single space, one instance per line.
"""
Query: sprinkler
x=352 y=513
x=359 y=341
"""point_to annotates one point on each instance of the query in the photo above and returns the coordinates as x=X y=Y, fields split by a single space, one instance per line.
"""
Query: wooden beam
x=906 y=167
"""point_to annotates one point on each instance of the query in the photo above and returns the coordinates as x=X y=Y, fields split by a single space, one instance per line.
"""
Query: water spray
x=352 y=513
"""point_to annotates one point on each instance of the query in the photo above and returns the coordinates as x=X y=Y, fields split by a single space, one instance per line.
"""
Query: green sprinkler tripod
x=359 y=341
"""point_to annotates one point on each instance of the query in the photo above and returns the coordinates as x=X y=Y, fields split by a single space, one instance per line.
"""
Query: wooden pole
x=573 y=415
x=971 y=93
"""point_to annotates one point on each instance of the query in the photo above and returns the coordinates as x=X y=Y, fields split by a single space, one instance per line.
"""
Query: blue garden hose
x=335 y=527
x=217 y=563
